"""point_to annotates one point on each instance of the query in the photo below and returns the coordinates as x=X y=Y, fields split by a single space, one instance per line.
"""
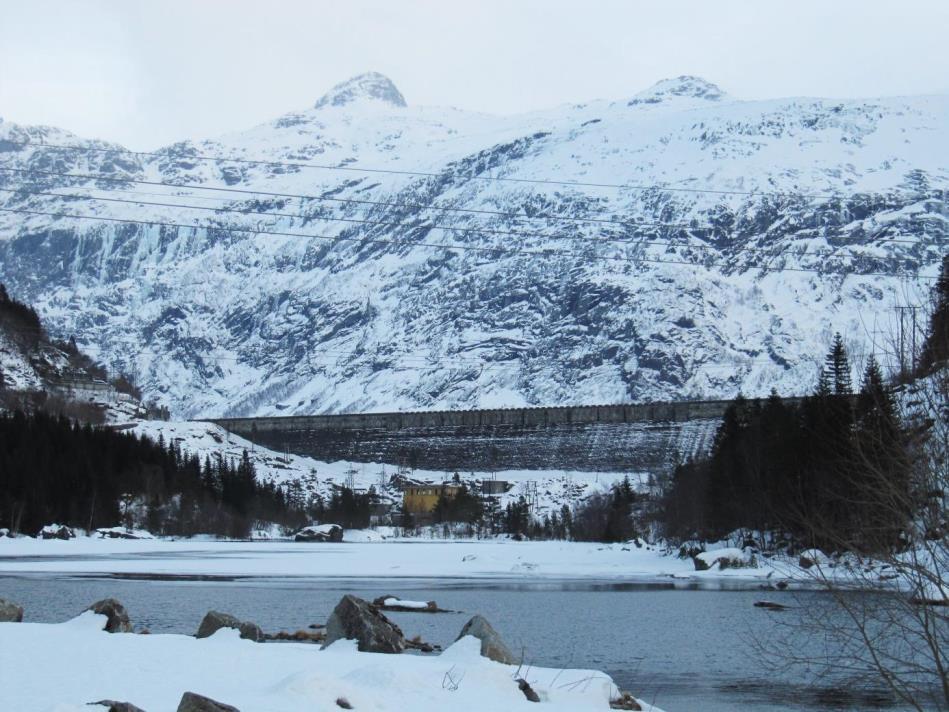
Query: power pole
x=902 y=310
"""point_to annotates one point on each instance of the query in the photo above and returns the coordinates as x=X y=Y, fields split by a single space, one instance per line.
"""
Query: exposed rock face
x=191 y=702
x=370 y=85
x=118 y=706
x=214 y=621
x=10 y=612
x=356 y=619
x=491 y=644
x=118 y=617
x=675 y=296
x=684 y=86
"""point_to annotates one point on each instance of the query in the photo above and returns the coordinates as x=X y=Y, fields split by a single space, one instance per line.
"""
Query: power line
x=361 y=201
x=330 y=355
x=322 y=198
x=334 y=199
x=380 y=223
x=421 y=174
x=431 y=226
x=476 y=248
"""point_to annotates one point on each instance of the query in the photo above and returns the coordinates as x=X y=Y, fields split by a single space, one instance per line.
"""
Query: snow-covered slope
x=566 y=293
x=546 y=490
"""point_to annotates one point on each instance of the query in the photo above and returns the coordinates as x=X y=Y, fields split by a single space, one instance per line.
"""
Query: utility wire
x=430 y=226
x=361 y=201
x=495 y=250
x=330 y=355
x=422 y=174
x=333 y=199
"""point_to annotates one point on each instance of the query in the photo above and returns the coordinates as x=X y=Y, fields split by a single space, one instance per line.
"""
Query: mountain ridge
x=214 y=321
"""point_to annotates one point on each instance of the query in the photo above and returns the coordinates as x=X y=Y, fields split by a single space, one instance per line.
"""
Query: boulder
x=10 y=612
x=118 y=617
x=726 y=559
x=117 y=706
x=491 y=644
x=356 y=619
x=214 y=621
x=123 y=533
x=320 y=532
x=190 y=702
x=5 y=533
x=625 y=701
x=56 y=531
x=811 y=557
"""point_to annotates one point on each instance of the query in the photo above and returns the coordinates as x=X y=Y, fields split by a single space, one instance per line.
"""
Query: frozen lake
x=683 y=646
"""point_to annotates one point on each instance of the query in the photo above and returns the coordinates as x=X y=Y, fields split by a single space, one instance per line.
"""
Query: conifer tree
x=837 y=368
x=936 y=347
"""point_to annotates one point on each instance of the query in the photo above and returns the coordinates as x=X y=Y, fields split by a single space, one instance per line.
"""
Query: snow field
x=62 y=667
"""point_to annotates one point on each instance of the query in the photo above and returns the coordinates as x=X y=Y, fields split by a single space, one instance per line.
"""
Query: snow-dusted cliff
x=646 y=291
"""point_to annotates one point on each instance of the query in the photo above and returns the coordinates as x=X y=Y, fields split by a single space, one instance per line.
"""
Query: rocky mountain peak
x=685 y=86
x=370 y=85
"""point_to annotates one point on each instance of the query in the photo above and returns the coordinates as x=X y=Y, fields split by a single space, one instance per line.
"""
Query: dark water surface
x=681 y=649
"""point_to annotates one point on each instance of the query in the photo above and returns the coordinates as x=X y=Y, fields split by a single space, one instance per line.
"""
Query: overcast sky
x=149 y=73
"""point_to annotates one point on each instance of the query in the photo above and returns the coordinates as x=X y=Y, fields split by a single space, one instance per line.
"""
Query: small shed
x=421 y=499
x=490 y=487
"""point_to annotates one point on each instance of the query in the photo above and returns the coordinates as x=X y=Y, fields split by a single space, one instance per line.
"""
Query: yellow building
x=421 y=499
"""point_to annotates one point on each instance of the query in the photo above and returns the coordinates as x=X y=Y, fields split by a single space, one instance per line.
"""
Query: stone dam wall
x=615 y=438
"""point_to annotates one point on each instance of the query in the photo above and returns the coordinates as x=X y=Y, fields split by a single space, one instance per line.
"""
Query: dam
x=650 y=437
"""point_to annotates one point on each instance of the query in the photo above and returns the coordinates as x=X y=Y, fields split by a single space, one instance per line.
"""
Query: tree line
x=603 y=517
x=54 y=470
x=836 y=470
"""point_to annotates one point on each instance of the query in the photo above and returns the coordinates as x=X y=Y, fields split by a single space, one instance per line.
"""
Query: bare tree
x=885 y=618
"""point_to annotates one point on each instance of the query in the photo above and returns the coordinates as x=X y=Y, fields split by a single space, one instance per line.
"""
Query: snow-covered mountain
x=571 y=290
x=37 y=371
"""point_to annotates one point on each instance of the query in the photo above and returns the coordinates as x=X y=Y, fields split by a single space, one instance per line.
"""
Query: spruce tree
x=936 y=347
x=837 y=368
x=880 y=473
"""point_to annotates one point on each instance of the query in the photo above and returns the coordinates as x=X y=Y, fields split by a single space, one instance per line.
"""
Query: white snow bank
x=361 y=536
x=45 y=671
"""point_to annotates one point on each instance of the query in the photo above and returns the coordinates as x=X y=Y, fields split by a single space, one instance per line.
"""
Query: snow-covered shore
x=62 y=667
x=399 y=558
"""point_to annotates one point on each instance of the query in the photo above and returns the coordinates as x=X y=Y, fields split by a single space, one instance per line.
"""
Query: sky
x=146 y=73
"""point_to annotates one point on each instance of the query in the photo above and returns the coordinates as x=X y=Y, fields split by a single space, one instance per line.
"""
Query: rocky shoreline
x=353 y=619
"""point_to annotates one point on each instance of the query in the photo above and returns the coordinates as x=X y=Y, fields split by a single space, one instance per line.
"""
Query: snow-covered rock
x=155 y=670
x=10 y=612
x=320 y=532
x=123 y=533
x=56 y=531
x=116 y=617
x=355 y=619
x=728 y=558
x=812 y=557
x=817 y=214
x=213 y=621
